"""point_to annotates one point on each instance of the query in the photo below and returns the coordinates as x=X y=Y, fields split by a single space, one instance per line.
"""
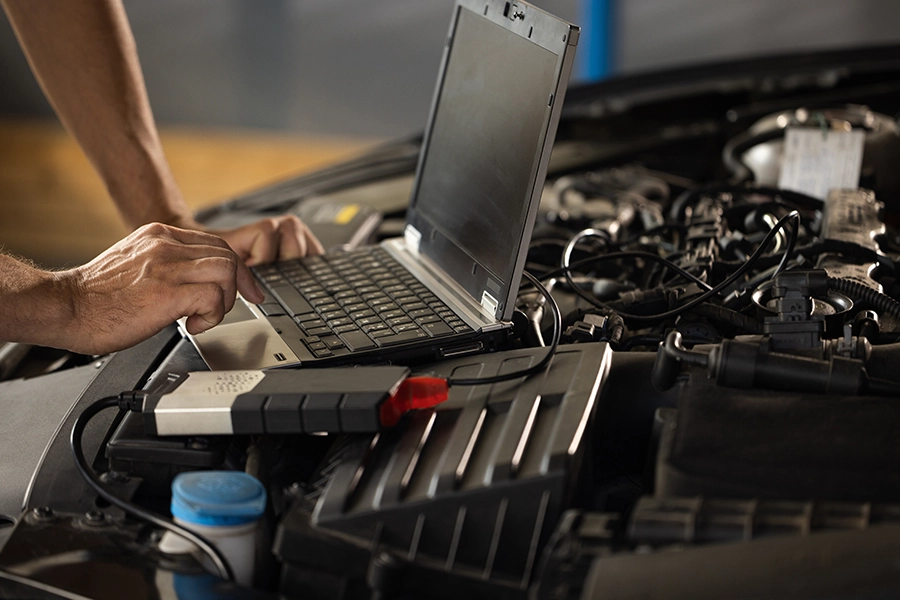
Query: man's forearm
x=138 y=286
x=34 y=304
x=83 y=54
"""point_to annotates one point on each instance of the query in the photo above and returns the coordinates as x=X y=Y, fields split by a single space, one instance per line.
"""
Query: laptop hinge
x=489 y=302
x=413 y=238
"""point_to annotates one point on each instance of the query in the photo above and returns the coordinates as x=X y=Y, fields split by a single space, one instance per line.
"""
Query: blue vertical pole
x=596 y=44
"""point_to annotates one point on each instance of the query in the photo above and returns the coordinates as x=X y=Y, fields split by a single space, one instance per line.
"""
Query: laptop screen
x=485 y=139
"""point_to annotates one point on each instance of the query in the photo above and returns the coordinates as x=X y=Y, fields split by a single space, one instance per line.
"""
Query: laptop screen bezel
x=557 y=37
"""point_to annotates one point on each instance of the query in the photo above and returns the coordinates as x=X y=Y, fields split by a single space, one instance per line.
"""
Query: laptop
x=448 y=286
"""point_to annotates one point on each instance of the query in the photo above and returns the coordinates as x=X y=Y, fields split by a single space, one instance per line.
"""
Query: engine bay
x=719 y=418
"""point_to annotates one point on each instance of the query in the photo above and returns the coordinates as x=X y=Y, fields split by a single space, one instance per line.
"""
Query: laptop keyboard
x=355 y=301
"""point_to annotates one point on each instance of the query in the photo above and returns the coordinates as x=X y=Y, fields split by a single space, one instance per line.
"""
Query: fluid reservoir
x=224 y=507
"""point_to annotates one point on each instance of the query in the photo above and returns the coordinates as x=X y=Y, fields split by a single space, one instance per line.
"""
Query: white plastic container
x=224 y=507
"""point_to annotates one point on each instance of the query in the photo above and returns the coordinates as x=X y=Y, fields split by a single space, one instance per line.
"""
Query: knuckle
x=291 y=222
x=269 y=225
x=210 y=298
x=155 y=229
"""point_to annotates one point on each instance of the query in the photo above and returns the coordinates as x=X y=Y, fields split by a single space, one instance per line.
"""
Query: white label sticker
x=818 y=160
x=220 y=383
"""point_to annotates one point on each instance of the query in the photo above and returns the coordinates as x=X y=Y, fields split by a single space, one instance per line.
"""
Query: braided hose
x=859 y=292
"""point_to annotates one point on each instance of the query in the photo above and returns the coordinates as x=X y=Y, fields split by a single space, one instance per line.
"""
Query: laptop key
x=406 y=336
x=348 y=301
x=333 y=342
x=404 y=295
x=312 y=324
x=437 y=329
x=428 y=319
x=346 y=328
x=318 y=331
x=300 y=319
x=412 y=304
x=310 y=288
x=320 y=301
x=366 y=321
x=357 y=340
x=354 y=308
x=291 y=299
x=340 y=322
x=385 y=308
x=405 y=327
x=271 y=309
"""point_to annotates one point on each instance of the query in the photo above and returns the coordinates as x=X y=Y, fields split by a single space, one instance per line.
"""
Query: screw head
x=43 y=513
x=198 y=444
x=114 y=477
x=95 y=516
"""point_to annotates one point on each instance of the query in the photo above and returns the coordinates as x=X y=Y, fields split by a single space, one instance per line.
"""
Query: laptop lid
x=487 y=145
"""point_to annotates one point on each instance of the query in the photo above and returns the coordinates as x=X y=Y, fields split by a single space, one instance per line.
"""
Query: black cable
x=627 y=254
x=690 y=196
x=732 y=153
x=792 y=242
x=567 y=268
x=75 y=441
x=751 y=260
x=667 y=264
x=557 y=334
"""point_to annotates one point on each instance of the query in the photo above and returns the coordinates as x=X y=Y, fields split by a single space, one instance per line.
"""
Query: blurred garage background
x=246 y=92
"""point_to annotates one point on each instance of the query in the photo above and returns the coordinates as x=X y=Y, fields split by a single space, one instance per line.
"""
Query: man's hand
x=277 y=238
x=148 y=280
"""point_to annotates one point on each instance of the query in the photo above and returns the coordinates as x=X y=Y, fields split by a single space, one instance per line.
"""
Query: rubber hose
x=858 y=291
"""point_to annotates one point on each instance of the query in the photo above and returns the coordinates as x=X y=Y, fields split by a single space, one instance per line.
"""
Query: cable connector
x=132 y=401
x=591 y=328
x=413 y=394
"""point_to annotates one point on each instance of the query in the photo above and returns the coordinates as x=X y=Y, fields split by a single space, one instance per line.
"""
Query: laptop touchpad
x=240 y=312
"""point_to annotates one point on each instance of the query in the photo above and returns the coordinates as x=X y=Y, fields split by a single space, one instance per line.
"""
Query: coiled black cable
x=75 y=440
x=748 y=264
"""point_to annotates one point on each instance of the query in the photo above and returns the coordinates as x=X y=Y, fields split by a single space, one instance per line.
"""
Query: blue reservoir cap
x=217 y=498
